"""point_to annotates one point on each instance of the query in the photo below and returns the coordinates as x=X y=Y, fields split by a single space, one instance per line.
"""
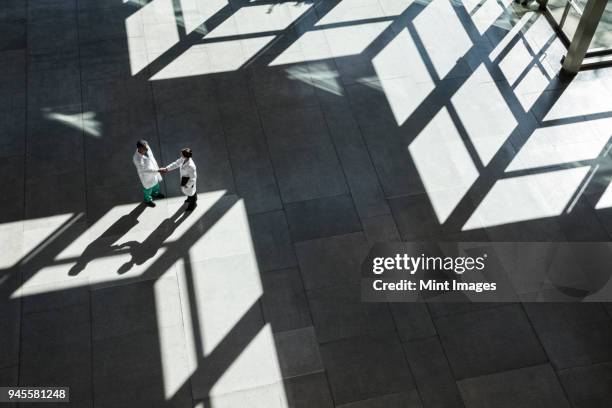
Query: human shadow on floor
x=145 y=250
x=103 y=244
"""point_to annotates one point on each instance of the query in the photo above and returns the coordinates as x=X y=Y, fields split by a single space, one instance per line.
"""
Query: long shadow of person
x=145 y=250
x=103 y=244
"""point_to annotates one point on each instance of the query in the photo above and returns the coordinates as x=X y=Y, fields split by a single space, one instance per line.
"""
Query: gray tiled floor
x=588 y=386
x=527 y=387
x=432 y=374
x=319 y=128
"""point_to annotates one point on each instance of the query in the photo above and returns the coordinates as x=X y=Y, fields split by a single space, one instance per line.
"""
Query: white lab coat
x=147 y=169
x=188 y=169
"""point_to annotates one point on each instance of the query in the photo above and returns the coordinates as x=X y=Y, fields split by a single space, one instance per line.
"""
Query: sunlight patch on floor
x=485 y=14
x=331 y=43
x=557 y=145
x=122 y=246
x=403 y=76
x=516 y=30
x=85 y=121
x=442 y=35
x=474 y=102
x=256 y=366
x=196 y=12
x=444 y=164
x=352 y=11
x=226 y=56
x=527 y=198
x=22 y=240
x=258 y=19
x=317 y=74
x=605 y=200
x=150 y=31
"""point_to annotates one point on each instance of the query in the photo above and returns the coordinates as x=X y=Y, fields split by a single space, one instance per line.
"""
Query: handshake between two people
x=163 y=170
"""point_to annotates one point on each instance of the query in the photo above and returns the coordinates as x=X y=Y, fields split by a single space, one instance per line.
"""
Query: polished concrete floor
x=318 y=128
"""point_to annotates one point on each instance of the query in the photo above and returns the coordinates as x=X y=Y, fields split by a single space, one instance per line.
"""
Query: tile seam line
x=258 y=110
x=550 y=363
x=85 y=192
x=330 y=136
x=365 y=334
x=372 y=163
x=420 y=338
x=25 y=146
x=284 y=210
x=444 y=351
x=249 y=72
x=329 y=236
x=312 y=322
x=349 y=404
x=252 y=95
x=184 y=303
x=56 y=308
x=140 y=332
x=347 y=193
x=264 y=271
x=305 y=374
x=401 y=344
x=225 y=142
x=601 y=363
x=450 y=315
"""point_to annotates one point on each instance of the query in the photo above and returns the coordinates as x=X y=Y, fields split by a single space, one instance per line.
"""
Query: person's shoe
x=149 y=203
x=191 y=207
x=159 y=196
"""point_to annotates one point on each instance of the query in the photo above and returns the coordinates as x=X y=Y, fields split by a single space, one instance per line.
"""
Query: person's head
x=142 y=146
x=186 y=153
x=125 y=267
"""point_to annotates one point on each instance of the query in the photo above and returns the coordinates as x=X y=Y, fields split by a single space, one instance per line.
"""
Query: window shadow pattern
x=357 y=86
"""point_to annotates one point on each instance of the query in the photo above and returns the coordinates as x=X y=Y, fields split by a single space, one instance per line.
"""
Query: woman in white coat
x=188 y=174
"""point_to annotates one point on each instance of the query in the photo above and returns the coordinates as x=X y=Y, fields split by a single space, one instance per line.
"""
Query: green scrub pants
x=149 y=193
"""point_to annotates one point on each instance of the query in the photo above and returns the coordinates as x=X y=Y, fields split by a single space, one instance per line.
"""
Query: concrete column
x=542 y=4
x=584 y=34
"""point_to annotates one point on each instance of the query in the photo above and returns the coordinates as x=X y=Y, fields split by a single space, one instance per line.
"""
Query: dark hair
x=186 y=152
x=141 y=143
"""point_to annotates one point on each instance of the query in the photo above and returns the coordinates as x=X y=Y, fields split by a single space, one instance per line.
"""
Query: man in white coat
x=148 y=172
x=188 y=174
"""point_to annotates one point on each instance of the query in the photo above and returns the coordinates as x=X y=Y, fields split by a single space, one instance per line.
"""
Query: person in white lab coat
x=189 y=176
x=148 y=172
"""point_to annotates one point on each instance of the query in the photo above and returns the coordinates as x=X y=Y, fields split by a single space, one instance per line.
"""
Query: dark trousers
x=192 y=199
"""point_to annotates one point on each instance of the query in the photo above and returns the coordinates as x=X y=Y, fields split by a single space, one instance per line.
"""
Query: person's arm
x=174 y=165
x=141 y=167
